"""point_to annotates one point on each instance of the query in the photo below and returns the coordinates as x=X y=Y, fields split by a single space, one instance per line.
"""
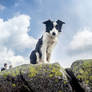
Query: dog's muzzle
x=53 y=33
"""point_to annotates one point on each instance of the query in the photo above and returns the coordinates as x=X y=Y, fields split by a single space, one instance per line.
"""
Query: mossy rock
x=35 y=78
x=83 y=72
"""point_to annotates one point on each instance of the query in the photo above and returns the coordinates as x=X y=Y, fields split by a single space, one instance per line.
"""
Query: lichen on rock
x=83 y=72
x=35 y=78
x=48 y=78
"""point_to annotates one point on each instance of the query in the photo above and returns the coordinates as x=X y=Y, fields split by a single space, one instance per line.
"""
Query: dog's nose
x=54 y=33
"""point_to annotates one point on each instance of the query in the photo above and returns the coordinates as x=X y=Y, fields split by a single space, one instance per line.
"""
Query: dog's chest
x=48 y=41
x=51 y=42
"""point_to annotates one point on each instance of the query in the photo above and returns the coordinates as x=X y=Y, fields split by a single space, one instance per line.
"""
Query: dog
x=45 y=45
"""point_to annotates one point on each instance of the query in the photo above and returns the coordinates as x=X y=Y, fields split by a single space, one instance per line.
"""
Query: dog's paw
x=46 y=62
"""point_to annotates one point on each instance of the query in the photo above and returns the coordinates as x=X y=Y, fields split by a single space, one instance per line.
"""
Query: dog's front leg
x=49 y=51
x=48 y=56
x=43 y=58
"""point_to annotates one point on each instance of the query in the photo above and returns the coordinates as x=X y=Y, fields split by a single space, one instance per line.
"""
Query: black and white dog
x=45 y=44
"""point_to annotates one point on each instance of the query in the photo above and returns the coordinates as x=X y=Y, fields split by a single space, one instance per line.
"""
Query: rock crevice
x=26 y=83
x=74 y=81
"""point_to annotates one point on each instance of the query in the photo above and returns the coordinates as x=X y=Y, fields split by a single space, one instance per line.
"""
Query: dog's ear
x=47 y=22
x=59 y=25
x=60 y=22
x=49 y=25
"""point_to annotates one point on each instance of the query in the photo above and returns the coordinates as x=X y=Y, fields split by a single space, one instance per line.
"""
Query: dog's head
x=53 y=28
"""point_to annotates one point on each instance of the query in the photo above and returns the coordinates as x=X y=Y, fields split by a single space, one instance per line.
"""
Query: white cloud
x=2 y=7
x=15 y=32
x=9 y=57
x=14 y=38
x=82 y=41
x=80 y=47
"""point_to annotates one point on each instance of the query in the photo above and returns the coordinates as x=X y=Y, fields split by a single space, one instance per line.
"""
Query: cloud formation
x=15 y=32
x=14 y=36
x=82 y=41
x=9 y=57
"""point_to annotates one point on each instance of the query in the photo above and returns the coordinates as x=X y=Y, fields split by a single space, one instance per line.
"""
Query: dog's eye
x=49 y=27
x=58 y=28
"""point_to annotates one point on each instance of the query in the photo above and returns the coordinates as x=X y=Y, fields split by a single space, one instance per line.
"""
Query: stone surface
x=48 y=78
x=35 y=78
x=82 y=69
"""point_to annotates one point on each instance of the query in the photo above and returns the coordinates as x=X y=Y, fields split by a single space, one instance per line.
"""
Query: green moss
x=14 y=85
x=65 y=82
x=56 y=71
x=79 y=77
x=51 y=75
x=83 y=70
x=56 y=80
x=33 y=72
x=60 y=91
x=5 y=74
x=13 y=73
x=51 y=70
x=50 y=66
x=86 y=81
x=90 y=77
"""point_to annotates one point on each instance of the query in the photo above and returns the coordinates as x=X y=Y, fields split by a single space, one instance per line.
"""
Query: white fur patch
x=55 y=23
x=47 y=46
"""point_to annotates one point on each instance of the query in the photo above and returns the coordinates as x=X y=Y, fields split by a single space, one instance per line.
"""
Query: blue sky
x=74 y=42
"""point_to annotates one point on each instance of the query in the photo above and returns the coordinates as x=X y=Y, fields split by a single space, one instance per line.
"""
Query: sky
x=21 y=26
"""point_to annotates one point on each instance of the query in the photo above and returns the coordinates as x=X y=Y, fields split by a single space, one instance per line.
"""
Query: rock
x=48 y=78
x=35 y=78
x=82 y=69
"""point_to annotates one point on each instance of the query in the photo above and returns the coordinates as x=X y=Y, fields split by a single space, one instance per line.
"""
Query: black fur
x=38 y=46
x=49 y=25
x=59 y=25
x=33 y=57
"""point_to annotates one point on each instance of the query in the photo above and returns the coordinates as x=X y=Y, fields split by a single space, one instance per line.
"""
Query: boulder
x=35 y=78
x=48 y=78
x=82 y=69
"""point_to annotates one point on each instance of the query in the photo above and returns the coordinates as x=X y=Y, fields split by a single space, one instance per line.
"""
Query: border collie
x=44 y=46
